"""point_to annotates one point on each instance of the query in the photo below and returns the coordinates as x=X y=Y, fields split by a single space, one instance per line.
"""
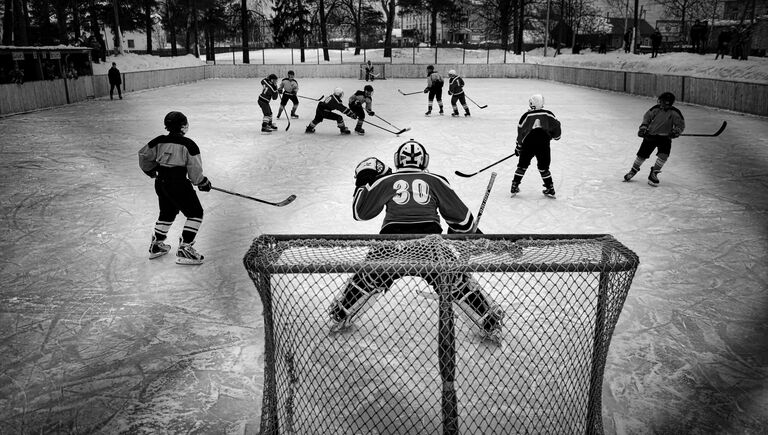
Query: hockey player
x=414 y=200
x=360 y=103
x=325 y=110
x=661 y=123
x=536 y=128
x=174 y=162
x=268 y=92
x=434 y=89
x=288 y=91
x=456 y=89
x=369 y=71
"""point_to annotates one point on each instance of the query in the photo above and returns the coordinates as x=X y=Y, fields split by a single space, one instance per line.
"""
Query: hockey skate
x=455 y=113
x=186 y=254
x=272 y=126
x=466 y=113
x=157 y=248
x=628 y=176
x=549 y=191
x=514 y=189
x=428 y=112
x=265 y=128
x=294 y=116
x=653 y=177
x=492 y=323
x=441 y=111
x=309 y=129
x=342 y=318
x=360 y=131
x=344 y=130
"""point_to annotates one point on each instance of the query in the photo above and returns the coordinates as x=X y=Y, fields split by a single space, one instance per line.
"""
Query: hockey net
x=379 y=71
x=416 y=357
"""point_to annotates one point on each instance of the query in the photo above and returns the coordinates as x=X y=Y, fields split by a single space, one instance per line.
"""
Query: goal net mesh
x=379 y=71
x=485 y=334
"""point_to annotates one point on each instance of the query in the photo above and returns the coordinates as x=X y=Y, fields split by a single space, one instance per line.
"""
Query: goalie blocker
x=414 y=200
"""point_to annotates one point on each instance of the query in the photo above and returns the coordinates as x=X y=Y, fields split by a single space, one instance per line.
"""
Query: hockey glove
x=370 y=170
x=426 y=90
x=674 y=133
x=450 y=93
x=205 y=185
x=371 y=113
x=152 y=173
x=642 y=132
x=518 y=148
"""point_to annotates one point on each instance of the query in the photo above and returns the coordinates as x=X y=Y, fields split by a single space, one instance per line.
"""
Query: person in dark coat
x=115 y=80
x=656 y=39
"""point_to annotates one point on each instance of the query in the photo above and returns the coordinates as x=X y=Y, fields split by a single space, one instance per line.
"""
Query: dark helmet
x=368 y=88
x=290 y=73
x=430 y=68
x=272 y=77
x=668 y=97
x=174 y=121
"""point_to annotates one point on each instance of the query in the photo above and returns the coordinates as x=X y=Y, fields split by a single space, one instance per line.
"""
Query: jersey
x=268 y=90
x=359 y=99
x=412 y=197
x=455 y=85
x=332 y=102
x=660 y=122
x=538 y=119
x=173 y=156
x=434 y=80
x=289 y=86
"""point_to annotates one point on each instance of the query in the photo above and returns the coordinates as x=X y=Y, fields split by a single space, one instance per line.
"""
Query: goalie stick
x=313 y=99
x=462 y=174
x=485 y=200
x=482 y=107
x=409 y=93
x=282 y=203
x=717 y=133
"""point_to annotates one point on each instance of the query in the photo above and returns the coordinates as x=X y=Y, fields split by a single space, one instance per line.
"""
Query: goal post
x=379 y=71
x=414 y=354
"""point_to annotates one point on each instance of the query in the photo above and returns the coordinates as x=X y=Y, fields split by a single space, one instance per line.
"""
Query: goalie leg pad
x=473 y=301
x=352 y=301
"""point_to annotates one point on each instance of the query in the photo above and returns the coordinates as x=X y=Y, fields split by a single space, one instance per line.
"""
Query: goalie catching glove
x=370 y=170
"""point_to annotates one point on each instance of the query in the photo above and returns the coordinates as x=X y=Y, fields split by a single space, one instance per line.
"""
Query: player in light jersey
x=288 y=91
x=415 y=200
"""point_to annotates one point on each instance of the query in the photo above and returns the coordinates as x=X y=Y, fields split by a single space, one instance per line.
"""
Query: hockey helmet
x=411 y=154
x=431 y=68
x=452 y=72
x=290 y=73
x=338 y=92
x=536 y=102
x=175 y=121
x=272 y=77
x=368 y=88
x=667 y=97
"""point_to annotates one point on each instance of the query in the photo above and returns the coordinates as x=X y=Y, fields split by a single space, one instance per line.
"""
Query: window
x=131 y=44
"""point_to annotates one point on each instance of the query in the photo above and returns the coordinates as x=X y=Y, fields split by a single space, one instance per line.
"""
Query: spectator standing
x=656 y=39
x=17 y=75
x=627 y=40
x=695 y=36
x=704 y=37
x=724 y=42
x=115 y=80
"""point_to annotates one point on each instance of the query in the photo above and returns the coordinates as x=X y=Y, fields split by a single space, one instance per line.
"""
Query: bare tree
x=388 y=6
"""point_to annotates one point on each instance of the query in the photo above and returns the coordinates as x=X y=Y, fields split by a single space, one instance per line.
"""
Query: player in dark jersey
x=325 y=110
x=360 y=103
x=661 y=123
x=456 y=90
x=434 y=89
x=288 y=91
x=535 y=129
x=268 y=92
x=414 y=200
x=174 y=162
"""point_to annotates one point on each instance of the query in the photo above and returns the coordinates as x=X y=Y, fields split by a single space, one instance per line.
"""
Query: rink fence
x=740 y=96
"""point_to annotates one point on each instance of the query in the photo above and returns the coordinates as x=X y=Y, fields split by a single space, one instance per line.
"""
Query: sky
x=98 y=336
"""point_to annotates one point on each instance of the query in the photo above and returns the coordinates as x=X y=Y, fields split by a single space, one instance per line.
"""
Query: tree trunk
x=244 y=30
x=433 y=28
x=118 y=34
x=172 y=25
x=390 y=26
x=8 y=22
x=20 y=23
x=194 y=25
x=358 y=36
x=76 y=20
x=323 y=32
x=148 y=21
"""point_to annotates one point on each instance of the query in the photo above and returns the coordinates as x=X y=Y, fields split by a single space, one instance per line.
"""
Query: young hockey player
x=360 y=103
x=369 y=71
x=534 y=132
x=325 y=110
x=434 y=89
x=414 y=200
x=174 y=162
x=268 y=92
x=288 y=91
x=661 y=123
x=456 y=89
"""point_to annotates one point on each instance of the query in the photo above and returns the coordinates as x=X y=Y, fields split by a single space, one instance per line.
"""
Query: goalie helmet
x=338 y=92
x=411 y=154
x=536 y=102
x=175 y=121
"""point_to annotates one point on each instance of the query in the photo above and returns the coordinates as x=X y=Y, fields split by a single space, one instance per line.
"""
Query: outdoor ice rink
x=96 y=338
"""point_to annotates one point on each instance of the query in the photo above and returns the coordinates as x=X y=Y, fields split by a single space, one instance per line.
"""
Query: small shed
x=44 y=62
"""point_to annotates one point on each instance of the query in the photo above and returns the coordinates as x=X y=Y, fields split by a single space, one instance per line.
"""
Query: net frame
x=379 y=69
x=265 y=260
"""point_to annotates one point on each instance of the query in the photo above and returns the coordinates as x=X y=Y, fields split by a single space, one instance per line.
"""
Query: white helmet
x=411 y=154
x=338 y=92
x=536 y=102
x=452 y=72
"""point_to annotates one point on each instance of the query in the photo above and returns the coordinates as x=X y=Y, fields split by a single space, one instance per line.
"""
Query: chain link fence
x=485 y=334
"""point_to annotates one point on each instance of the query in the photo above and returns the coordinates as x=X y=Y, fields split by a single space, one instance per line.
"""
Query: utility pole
x=634 y=30
x=546 y=31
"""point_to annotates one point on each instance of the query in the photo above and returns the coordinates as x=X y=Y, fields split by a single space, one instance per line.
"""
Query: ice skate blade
x=157 y=255
x=188 y=261
x=652 y=184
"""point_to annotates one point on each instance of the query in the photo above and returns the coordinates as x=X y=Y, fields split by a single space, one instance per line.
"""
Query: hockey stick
x=485 y=199
x=482 y=107
x=396 y=133
x=717 y=133
x=314 y=99
x=461 y=174
x=287 y=118
x=410 y=93
x=387 y=122
x=284 y=202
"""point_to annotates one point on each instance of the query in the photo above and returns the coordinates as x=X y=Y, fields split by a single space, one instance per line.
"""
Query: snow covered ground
x=99 y=339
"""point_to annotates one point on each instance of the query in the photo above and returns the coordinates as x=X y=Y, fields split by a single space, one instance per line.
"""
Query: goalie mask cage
x=379 y=71
x=415 y=359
